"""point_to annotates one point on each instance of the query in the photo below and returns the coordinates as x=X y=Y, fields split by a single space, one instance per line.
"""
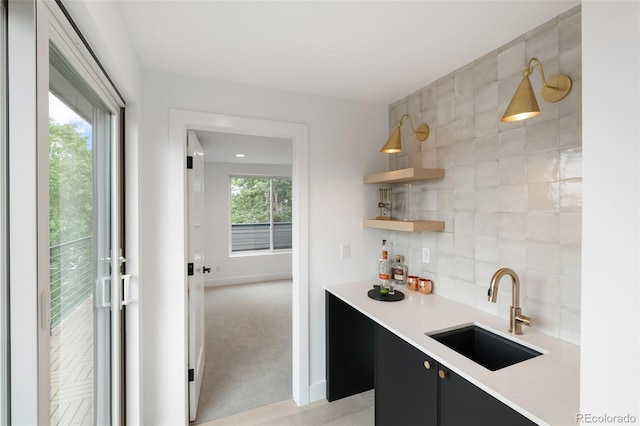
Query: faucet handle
x=523 y=319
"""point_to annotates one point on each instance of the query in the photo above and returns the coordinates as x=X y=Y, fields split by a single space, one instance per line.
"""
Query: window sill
x=252 y=253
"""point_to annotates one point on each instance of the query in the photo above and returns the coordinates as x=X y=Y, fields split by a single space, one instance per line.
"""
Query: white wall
x=344 y=139
x=102 y=25
x=244 y=267
x=610 y=361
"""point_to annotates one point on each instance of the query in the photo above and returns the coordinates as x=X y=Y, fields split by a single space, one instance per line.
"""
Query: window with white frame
x=261 y=213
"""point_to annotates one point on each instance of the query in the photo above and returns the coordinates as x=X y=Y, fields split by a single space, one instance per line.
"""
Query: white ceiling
x=367 y=51
x=222 y=147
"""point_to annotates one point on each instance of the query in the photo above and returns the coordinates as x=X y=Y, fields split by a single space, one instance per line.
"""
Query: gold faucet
x=516 y=319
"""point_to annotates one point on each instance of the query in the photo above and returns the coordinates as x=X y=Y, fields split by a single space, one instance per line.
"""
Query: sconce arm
x=529 y=71
x=556 y=88
x=410 y=119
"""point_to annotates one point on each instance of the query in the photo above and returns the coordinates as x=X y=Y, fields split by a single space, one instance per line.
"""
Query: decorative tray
x=374 y=294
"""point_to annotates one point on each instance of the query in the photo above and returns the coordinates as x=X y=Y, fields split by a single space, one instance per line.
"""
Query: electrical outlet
x=425 y=255
x=345 y=250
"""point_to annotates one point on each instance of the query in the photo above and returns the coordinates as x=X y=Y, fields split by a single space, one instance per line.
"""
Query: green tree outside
x=282 y=208
x=71 y=268
x=70 y=184
x=250 y=200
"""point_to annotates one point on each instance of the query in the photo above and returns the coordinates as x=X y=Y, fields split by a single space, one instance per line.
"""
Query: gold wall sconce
x=394 y=143
x=523 y=105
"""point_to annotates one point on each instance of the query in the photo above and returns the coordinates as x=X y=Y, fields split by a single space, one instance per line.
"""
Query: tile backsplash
x=511 y=195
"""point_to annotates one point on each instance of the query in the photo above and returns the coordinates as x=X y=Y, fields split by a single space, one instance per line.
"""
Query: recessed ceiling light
x=239 y=155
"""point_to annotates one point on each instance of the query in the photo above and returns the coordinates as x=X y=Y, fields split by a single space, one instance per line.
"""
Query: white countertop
x=545 y=389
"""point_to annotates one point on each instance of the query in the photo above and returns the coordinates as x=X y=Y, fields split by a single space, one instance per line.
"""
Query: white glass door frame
x=54 y=28
x=23 y=276
x=4 y=303
x=31 y=25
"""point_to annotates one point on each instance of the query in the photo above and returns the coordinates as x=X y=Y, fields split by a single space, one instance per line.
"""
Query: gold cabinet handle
x=442 y=374
x=427 y=365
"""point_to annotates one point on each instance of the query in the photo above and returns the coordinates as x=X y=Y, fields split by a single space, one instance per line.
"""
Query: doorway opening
x=248 y=251
x=180 y=122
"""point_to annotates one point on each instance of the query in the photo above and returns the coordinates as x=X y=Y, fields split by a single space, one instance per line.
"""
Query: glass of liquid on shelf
x=409 y=204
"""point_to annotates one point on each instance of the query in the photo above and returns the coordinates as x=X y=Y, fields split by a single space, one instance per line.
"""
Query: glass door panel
x=80 y=248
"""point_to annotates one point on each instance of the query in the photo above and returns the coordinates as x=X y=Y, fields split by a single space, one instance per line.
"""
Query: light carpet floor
x=248 y=348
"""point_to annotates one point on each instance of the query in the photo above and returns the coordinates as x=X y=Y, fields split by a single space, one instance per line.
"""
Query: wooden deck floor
x=71 y=365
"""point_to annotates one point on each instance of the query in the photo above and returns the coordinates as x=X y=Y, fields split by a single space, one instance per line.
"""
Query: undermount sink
x=484 y=347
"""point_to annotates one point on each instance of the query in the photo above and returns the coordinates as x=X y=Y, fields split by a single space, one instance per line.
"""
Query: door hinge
x=189 y=269
x=191 y=375
x=189 y=162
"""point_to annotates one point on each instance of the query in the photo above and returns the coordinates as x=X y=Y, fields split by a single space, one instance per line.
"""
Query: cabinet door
x=406 y=383
x=349 y=349
x=462 y=403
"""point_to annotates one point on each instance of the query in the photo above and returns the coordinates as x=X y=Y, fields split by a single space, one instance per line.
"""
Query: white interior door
x=195 y=279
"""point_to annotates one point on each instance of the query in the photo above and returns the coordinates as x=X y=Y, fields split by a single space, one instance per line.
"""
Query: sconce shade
x=394 y=143
x=523 y=104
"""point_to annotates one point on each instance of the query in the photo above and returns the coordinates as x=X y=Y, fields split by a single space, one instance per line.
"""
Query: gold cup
x=425 y=286
x=412 y=282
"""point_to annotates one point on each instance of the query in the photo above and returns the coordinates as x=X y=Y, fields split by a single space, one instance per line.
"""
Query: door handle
x=205 y=269
x=103 y=287
x=126 y=290
x=45 y=311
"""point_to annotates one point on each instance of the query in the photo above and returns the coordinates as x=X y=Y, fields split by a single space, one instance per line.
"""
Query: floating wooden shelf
x=399 y=225
x=405 y=175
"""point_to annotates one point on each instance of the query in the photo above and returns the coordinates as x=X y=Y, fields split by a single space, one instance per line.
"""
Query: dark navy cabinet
x=463 y=403
x=406 y=383
x=410 y=387
x=349 y=340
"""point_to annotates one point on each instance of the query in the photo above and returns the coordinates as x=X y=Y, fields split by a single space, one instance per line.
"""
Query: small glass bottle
x=384 y=271
x=399 y=271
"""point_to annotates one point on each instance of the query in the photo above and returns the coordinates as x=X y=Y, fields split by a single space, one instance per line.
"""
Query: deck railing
x=70 y=276
x=256 y=236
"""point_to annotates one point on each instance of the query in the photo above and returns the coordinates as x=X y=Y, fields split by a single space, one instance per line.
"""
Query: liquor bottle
x=399 y=271
x=384 y=271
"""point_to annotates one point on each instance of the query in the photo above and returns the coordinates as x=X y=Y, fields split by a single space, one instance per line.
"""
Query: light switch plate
x=345 y=250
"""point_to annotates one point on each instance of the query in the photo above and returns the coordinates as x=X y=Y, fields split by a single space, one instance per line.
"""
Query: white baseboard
x=318 y=391
x=217 y=282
